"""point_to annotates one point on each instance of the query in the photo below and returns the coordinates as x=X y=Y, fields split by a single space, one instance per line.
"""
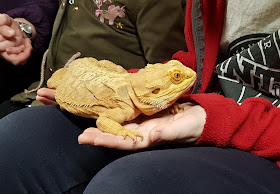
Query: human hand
x=14 y=46
x=18 y=55
x=46 y=96
x=162 y=128
x=10 y=33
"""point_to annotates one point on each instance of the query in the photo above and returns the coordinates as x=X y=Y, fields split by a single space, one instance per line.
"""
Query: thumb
x=162 y=135
x=175 y=134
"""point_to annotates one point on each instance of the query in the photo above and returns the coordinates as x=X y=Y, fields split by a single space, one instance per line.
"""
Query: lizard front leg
x=111 y=125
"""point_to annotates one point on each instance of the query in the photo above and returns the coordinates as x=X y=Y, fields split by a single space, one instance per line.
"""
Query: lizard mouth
x=182 y=90
x=166 y=99
x=159 y=104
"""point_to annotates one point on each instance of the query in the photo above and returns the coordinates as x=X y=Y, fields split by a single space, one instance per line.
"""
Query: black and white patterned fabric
x=254 y=68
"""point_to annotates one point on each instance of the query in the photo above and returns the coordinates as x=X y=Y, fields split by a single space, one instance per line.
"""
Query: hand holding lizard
x=46 y=96
x=184 y=127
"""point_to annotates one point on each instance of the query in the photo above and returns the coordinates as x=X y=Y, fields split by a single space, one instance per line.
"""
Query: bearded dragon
x=107 y=92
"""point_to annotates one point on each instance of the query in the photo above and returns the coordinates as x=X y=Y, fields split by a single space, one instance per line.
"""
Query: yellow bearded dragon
x=107 y=92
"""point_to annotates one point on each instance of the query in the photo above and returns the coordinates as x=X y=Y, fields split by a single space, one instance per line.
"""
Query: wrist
x=26 y=27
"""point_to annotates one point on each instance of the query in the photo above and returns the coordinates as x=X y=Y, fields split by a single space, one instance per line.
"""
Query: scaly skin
x=105 y=91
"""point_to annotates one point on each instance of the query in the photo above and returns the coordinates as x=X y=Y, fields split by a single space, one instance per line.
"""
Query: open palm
x=161 y=128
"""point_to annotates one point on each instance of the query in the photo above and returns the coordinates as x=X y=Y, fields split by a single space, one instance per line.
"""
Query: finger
x=185 y=128
x=174 y=133
x=22 y=57
x=96 y=137
x=46 y=101
x=8 y=43
x=15 y=59
x=46 y=93
x=9 y=57
x=5 y=20
x=7 y=31
x=161 y=135
x=28 y=46
x=15 y=50
x=2 y=38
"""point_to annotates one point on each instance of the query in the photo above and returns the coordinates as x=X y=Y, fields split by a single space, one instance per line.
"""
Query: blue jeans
x=39 y=153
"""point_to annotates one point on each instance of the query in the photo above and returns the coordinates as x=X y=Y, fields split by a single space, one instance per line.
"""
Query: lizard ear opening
x=156 y=91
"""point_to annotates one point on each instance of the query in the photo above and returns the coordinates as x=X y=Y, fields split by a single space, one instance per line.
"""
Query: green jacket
x=129 y=33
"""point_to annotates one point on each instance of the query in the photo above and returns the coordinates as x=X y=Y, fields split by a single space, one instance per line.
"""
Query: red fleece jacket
x=253 y=126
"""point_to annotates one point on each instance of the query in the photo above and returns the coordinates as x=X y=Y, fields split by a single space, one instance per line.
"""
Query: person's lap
x=188 y=170
x=40 y=154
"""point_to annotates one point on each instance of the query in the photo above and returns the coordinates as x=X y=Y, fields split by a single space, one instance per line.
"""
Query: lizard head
x=158 y=86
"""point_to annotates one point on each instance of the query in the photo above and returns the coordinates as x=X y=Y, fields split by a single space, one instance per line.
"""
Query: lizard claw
x=132 y=134
x=175 y=108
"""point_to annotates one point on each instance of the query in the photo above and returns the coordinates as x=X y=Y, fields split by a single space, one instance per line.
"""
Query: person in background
x=25 y=31
x=216 y=144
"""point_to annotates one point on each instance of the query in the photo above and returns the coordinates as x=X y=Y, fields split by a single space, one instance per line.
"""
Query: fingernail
x=79 y=138
x=156 y=136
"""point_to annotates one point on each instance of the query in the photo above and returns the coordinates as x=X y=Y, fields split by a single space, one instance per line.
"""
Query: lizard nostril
x=189 y=74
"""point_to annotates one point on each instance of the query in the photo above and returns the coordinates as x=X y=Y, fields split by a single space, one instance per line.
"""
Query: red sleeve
x=253 y=126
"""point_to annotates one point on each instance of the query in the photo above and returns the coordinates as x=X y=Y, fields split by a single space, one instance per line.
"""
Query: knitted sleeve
x=252 y=126
x=41 y=14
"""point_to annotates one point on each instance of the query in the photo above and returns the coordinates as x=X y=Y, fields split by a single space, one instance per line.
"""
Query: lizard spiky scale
x=107 y=92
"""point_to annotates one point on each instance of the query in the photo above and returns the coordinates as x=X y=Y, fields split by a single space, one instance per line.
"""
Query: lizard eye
x=175 y=76
x=156 y=91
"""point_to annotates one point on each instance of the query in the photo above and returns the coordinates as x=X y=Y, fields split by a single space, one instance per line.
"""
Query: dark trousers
x=39 y=153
